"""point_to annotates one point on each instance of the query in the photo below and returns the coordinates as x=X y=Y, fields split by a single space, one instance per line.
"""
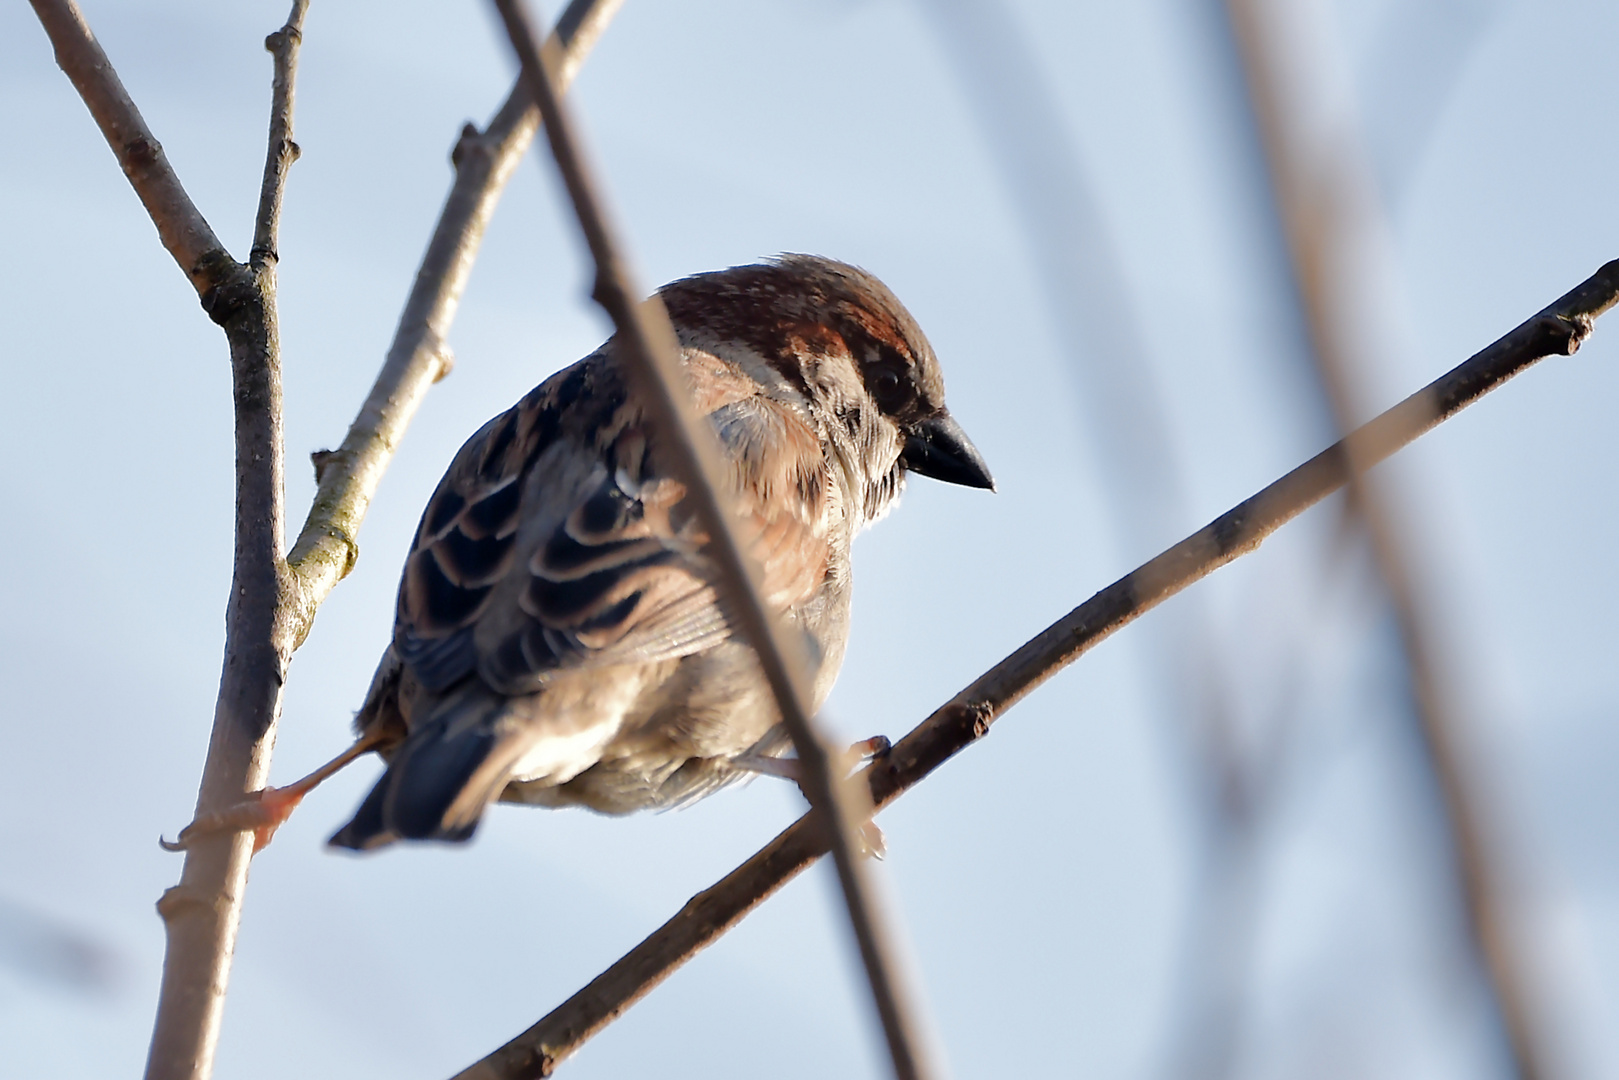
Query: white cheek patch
x=883 y=498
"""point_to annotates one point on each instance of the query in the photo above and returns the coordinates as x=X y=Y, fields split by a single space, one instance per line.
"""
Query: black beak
x=937 y=447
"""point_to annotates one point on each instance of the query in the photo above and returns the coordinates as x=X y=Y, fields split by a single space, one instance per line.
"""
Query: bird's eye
x=885 y=387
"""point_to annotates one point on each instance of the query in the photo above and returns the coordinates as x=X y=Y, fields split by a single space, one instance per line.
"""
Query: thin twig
x=1320 y=208
x=1557 y=330
x=647 y=345
x=283 y=45
x=347 y=478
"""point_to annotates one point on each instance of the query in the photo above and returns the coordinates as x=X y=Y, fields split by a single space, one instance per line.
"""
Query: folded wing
x=558 y=539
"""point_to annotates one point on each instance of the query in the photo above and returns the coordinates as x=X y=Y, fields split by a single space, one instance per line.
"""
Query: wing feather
x=555 y=540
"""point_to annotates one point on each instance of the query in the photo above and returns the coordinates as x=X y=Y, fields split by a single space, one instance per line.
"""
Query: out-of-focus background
x=1070 y=198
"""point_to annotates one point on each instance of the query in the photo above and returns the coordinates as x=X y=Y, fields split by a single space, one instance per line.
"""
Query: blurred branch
x=1557 y=330
x=1080 y=271
x=41 y=948
x=1099 y=331
x=1044 y=170
x=1416 y=59
x=649 y=354
x=347 y=478
x=1322 y=211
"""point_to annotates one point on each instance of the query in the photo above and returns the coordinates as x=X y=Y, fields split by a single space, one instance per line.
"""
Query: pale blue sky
x=1045 y=877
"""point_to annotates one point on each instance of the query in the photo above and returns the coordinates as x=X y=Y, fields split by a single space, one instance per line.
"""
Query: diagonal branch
x=347 y=478
x=650 y=355
x=181 y=226
x=1557 y=330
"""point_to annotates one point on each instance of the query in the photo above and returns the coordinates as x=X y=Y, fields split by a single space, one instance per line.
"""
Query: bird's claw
x=263 y=812
x=867 y=750
x=868 y=836
x=872 y=842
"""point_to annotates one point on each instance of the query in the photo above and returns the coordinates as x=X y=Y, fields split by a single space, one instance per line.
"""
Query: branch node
x=176 y=899
x=351 y=548
x=1575 y=328
x=212 y=268
x=976 y=716
x=470 y=141
x=602 y=290
x=446 y=362
x=323 y=460
x=278 y=38
x=141 y=152
x=231 y=294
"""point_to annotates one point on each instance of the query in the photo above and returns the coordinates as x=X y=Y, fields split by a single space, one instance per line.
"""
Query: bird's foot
x=873 y=844
x=870 y=837
x=789 y=768
x=263 y=811
x=266 y=810
x=866 y=750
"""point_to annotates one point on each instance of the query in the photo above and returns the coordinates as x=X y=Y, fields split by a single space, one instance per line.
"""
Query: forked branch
x=274 y=600
x=1557 y=330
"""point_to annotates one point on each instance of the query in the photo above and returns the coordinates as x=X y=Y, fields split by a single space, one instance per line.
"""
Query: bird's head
x=835 y=339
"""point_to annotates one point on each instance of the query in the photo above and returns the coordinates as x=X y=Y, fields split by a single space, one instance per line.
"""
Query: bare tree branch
x=202 y=913
x=347 y=477
x=651 y=360
x=1321 y=208
x=1557 y=330
x=273 y=601
x=183 y=229
x=283 y=45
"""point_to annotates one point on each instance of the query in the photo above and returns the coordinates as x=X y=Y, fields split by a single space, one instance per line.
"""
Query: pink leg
x=787 y=768
x=266 y=810
x=871 y=837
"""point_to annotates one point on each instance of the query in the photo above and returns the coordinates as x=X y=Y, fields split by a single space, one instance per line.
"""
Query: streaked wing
x=556 y=541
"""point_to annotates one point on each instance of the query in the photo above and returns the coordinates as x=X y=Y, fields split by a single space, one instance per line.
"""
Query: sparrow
x=559 y=637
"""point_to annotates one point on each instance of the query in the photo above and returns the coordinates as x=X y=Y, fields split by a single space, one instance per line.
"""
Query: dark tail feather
x=440 y=778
